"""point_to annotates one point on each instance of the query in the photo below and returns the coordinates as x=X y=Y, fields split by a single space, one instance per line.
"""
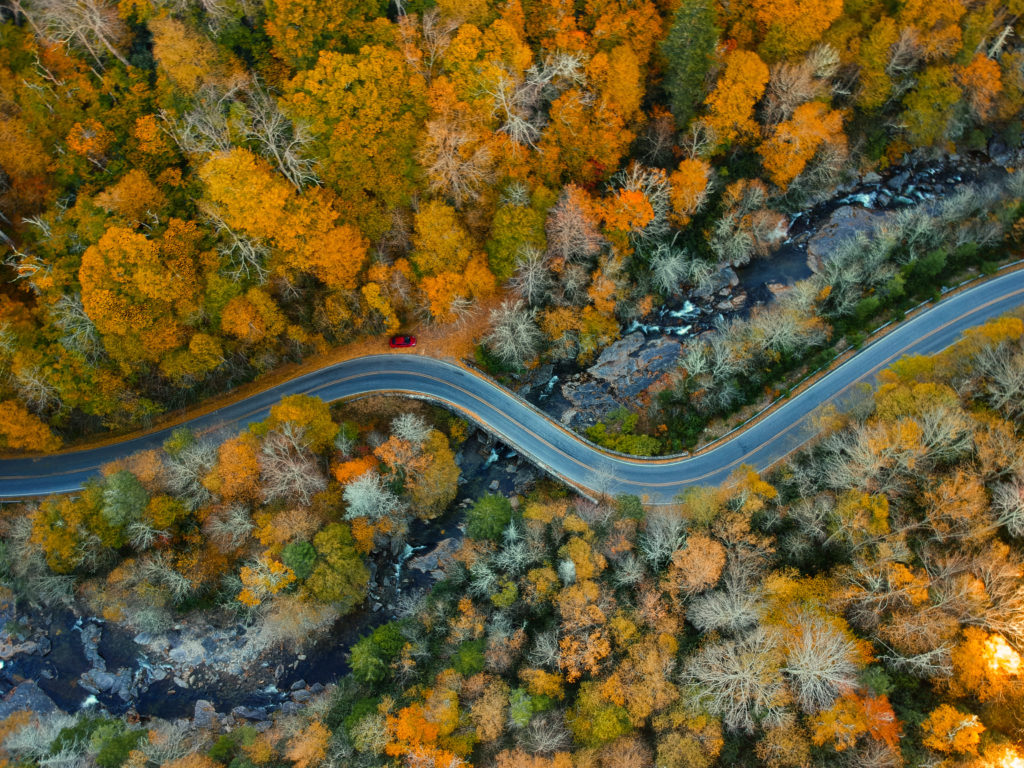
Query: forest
x=196 y=192
x=859 y=605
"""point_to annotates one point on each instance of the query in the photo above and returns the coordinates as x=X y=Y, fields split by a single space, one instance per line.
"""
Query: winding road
x=535 y=435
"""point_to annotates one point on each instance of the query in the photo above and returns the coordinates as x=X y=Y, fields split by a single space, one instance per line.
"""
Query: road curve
x=533 y=434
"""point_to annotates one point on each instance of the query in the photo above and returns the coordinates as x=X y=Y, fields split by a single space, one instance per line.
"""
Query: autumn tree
x=795 y=141
x=309 y=414
x=930 y=109
x=730 y=106
x=305 y=229
x=300 y=29
x=339 y=575
x=947 y=729
x=21 y=430
x=690 y=184
x=140 y=291
x=366 y=109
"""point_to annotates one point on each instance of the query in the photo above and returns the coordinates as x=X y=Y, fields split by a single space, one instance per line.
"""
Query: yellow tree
x=730 y=106
x=21 y=430
x=689 y=188
x=305 y=229
x=367 y=110
x=949 y=730
x=795 y=141
x=300 y=29
x=138 y=291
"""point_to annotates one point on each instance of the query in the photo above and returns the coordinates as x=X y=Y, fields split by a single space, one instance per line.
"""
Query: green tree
x=488 y=517
x=300 y=557
x=372 y=655
x=339 y=576
x=688 y=49
x=124 y=499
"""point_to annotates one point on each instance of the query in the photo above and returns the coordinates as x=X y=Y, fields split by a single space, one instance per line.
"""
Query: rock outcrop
x=844 y=224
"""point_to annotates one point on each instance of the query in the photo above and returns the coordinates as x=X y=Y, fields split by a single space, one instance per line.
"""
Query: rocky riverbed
x=211 y=667
x=634 y=368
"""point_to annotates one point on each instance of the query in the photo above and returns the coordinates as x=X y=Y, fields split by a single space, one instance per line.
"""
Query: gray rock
x=98 y=679
x=249 y=713
x=588 y=398
x=494 y=486
x=899 y=180
x=871 y=178
x=27 y=696
x=431 y=561
x=615 y=359
x=631 y=365
x=726 y=277
x=298 y=685
x=91 y=634
x=205 y=715
x=316 y=688
x=301 y=696
x=844 y=223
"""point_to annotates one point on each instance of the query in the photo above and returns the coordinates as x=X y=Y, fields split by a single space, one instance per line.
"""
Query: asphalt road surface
x=536 y=436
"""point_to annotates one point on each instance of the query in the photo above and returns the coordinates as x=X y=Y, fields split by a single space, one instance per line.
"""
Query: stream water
x=266 y=684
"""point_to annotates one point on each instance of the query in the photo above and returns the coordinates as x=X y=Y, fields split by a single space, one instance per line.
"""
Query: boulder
x=431 y=562
x=27 y=696
x=205 y=715
x=589 y=399
x=97 y=681
x=249 y=713
x=632 y=364
x=844 y=224
x=615 y=360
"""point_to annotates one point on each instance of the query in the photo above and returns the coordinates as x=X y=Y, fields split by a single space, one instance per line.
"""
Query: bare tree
x=547 y=734
x=571 y=233
x=662 y=535
x=457 y=166
x=288 y=469
x=1008 y=503
x=186 y=470
x=278 y=138
x=90 y=25
x=669 y=268
x=1003 y=370
x=229 y=528
x=369 y=496
x=733 y=608
x=35 y=390
x=79 y=333
x=206 y=127
x=532 y=280
x=425 y=39
x=739 y=680
x=790 y=85
x=411 y=427
x=514 y=337
x=244 y=257
x=821 y=664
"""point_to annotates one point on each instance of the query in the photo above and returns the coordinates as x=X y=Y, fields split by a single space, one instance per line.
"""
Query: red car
x=402 y=341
